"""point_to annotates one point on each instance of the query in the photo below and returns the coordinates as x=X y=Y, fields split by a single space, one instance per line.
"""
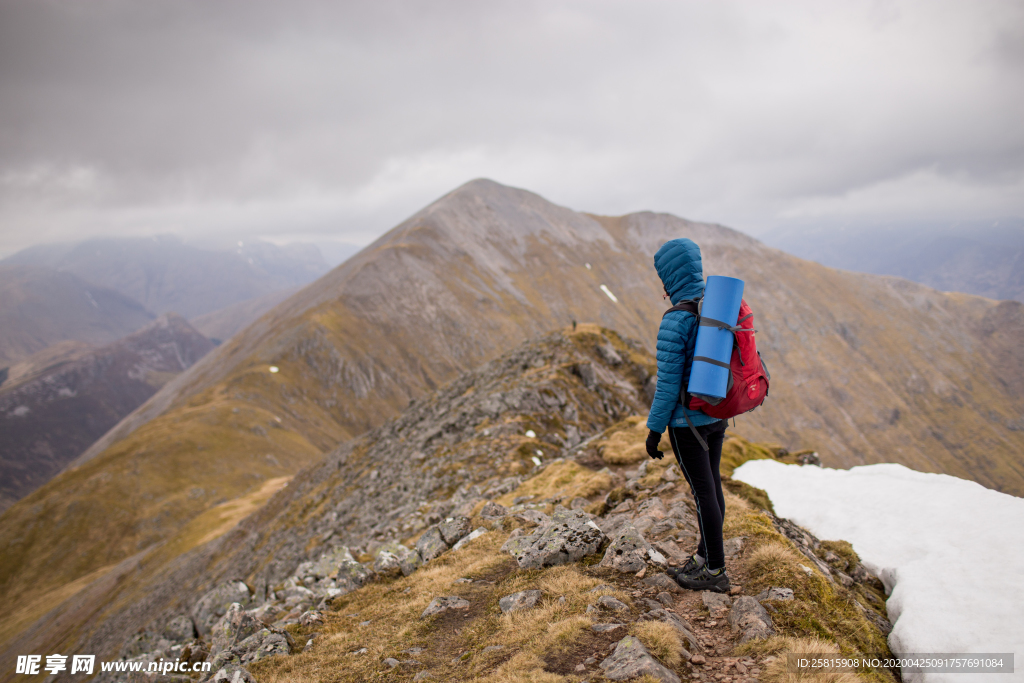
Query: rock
x=391 y=662
x=698 y=659
x=750 y=619
x=663 y=581
x=311 y=618
x=453 y=529
x=493 y=648
x=493 y=512
x=532 y=517
x=410 y=563
x=733 y=546
x=604 y=587
x=653 y=508
x=323 y=566
x=443 y=604
x=233 y=674
x=422 y=676
x=717 y=603
x=180 y=629
x=476 y=533
x=352 y=575
x=670 y=474
x=520 y=600
x=579 y=503
x=392 y=557
x=631 y=660
x=775 y=593
x=665 y=599
x=235 y=626
x=609 y=354
x=628 y=552
x=608 y=602
x=297 y=596
x=431 y=545
x=605 y=628
x=209 y=609
x=680 y=624
x=569 y=537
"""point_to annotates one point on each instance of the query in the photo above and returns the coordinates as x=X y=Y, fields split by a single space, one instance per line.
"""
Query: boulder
x=209 y=609
x=233 y=674
x=394 y=559
x=475 y=534
x=750 y=619
x=535 y=517
x=235 y=626
x=180 y=629
x=717 y=603
x=352 y=575
x=518 y=601
x=629 y=552
x=431 y=544
x=775 y=593
x=569 y=537
x=323 y=566
x=443 y=604
x=632 y=660
x=662 y=581
x=453 y=529
x=493 y=511
x=733 y=546
x=613 y=604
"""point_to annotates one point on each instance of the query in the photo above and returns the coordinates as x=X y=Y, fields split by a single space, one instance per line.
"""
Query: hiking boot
x=692 y=566
x=705 y=580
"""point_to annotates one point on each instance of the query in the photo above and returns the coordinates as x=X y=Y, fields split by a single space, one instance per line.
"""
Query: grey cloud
x=339 y=119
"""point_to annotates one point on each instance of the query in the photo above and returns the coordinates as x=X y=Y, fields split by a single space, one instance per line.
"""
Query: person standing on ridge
x=678 y=264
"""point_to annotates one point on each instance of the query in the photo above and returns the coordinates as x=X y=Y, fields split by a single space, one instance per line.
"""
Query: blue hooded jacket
x=679 y=266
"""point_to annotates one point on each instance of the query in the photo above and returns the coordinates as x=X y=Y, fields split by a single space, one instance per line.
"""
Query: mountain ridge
x=865 y=368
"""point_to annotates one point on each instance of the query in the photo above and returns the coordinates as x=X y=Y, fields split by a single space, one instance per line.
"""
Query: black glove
x=653 y=439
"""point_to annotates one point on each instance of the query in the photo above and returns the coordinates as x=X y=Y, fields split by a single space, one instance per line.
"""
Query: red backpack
x=749 y=376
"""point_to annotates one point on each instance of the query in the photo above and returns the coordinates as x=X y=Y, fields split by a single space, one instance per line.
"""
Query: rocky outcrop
x=632 y=660
x=750 y=619
x=520 y=600
x=568 y=537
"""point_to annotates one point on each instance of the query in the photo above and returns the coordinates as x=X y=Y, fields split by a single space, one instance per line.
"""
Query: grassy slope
x=865 y=369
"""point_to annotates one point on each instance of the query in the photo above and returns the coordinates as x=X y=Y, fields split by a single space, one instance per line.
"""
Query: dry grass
x=661 y=640
x=776 y=563
x=625 y=442
x=565 y=479
x=781 y=646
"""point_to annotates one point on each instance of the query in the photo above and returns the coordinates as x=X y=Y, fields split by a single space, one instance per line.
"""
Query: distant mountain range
x=40 y=306
x=165 y=275
x=58 y=402
x=864 y=369
x=984 y=257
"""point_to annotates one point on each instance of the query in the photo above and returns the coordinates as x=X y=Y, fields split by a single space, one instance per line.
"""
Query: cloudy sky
x=334 y=121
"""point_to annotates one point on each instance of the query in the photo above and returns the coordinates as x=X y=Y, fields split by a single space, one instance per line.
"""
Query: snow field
x=950 y=551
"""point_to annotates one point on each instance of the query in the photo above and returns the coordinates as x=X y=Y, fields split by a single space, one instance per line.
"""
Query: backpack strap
x=691 y=306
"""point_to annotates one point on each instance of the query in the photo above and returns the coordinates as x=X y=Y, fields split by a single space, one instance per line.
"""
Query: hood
x=679 y=267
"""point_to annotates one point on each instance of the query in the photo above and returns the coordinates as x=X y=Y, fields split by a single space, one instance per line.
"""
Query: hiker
x=678 y=264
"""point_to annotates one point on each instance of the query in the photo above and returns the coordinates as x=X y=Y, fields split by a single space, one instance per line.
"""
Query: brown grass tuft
x=661 y=640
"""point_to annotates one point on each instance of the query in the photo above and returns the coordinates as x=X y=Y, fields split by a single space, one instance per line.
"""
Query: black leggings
x=701 y=471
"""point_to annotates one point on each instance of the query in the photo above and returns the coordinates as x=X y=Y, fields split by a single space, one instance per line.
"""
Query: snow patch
x=609 y=293
x=949 y=551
